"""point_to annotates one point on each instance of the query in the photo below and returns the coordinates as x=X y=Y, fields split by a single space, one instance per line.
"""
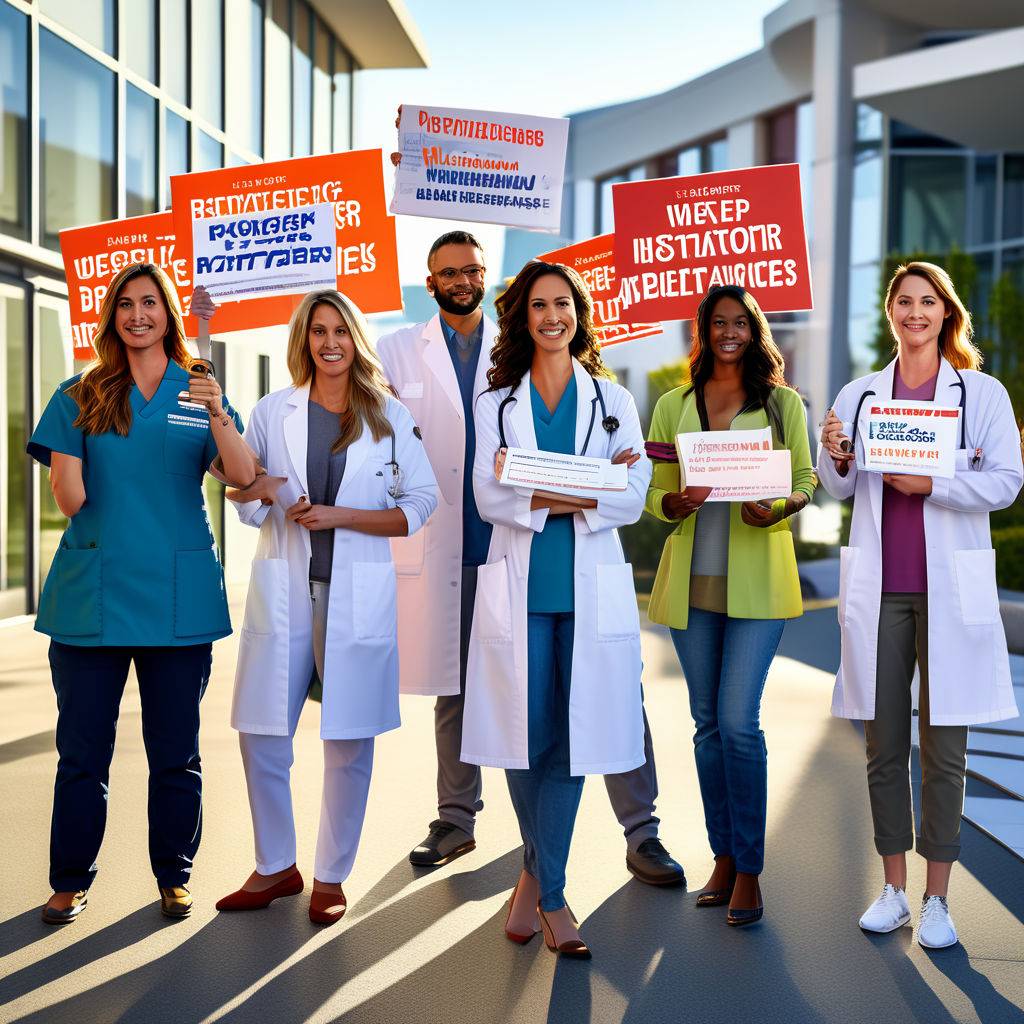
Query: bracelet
x=779 y=508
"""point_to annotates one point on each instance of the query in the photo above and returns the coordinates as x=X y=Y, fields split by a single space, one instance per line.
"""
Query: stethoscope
x=395 y=487
x=610 y=423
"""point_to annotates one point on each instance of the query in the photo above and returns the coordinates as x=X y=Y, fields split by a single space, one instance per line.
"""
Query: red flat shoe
x=327 y=907
x=515 y=936
x=243 y=899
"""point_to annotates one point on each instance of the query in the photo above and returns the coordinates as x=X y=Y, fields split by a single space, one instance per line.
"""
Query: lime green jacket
x=763 y=582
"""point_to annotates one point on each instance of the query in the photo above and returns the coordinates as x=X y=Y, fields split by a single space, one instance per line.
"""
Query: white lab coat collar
x=296 y=431
x=520 y=412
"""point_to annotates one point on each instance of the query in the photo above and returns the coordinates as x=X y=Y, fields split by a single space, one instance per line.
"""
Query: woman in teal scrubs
x=136 y=577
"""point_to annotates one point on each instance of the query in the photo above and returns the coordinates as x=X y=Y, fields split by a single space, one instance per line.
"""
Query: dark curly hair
x=513 y=350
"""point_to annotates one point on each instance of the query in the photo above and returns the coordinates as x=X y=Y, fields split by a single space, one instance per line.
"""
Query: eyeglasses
x=450 y=274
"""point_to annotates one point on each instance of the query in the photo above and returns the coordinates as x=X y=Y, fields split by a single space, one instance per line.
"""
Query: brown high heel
x=739 y=916
x=718 y=897
x=516 y=936
x=577 y=949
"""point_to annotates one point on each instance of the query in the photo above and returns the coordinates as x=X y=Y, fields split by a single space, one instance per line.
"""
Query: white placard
x=481 y=165
x=904 y=436
x=258 y=255
x=562 y=474
x=739 y=465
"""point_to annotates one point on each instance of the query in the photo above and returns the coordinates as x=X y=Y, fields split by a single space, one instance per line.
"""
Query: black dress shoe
x=78 y=903
x=444 y=843
x=652 y=863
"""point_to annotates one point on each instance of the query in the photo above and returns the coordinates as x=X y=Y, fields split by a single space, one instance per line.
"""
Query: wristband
x=779 y=509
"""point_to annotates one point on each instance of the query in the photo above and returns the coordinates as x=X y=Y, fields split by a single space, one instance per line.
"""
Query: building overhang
x=378 y=33
x=968 y=91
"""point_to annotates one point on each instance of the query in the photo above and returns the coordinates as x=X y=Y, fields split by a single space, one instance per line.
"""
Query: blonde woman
x=346 y=470
x=136 y=578
x=918 y=584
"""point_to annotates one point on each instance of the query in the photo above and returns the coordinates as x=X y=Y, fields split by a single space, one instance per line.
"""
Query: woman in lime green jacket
x=728 y=578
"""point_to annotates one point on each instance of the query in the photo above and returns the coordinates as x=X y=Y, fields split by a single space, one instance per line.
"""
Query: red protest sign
x=366 y=257
x=594 y=261
x=95 y=253
x=677 y=237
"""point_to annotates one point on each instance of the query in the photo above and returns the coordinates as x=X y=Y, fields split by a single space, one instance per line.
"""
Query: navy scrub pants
x=89 y=682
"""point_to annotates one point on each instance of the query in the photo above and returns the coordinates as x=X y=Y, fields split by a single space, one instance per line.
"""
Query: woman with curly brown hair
x=553 y=680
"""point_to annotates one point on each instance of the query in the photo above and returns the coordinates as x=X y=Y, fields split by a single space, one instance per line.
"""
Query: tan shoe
x=175 y=901
x=65 y=915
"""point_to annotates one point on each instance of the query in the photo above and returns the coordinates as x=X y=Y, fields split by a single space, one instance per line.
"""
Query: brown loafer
x=243 y=899
x=327 y=907
x=175 y=901
x=79 y=901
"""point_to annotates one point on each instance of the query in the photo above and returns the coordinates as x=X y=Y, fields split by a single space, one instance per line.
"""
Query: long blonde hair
x=955 y=336
x=368 y=389
x=103 y=394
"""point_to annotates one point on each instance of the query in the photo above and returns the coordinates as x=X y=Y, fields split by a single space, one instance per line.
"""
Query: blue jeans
x=545 y=796
x=726 y=662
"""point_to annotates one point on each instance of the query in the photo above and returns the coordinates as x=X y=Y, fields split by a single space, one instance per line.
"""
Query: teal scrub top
x=137 y=565
x=551 y=585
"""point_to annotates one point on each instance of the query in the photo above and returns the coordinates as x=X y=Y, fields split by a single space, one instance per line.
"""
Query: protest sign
x=258 y=236
x=480 y=165
x=561 y=474
x=594 y=261
x=739 y=465
x=905 y=436
x=677 y=237
x=94 y=254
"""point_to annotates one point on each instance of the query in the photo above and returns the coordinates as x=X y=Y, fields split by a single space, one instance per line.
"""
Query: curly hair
x=513 y=350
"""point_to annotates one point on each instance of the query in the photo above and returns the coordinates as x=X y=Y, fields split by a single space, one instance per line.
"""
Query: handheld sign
x=261 y=236
x=677 y=237
x=480 y=165
x=594 y=261
x=94 y=254
x=562 y=474
x=739 y=465
x=905 y=436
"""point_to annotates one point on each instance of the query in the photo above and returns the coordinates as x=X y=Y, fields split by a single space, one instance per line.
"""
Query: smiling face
x=551 y=313
x=330 y=343
x=456 y=279
x=916 y=313
x=140 y=316
x=729 y=331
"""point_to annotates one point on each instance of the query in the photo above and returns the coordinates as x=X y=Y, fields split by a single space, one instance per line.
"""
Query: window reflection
x=243 y=98
x=1013 y=196
x=277 y=128
x=14 y=467
x=208 y=60
x=209 y=154
x=322 y=89
x=14 y=126
x=302 y=83
x=176 y=149
x=928 y=203
x=174 y=48
x=93 y=20
x=137 y=19
x=342 y=98
x=140 y=152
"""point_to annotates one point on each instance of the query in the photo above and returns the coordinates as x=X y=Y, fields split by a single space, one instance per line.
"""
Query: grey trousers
x=902 y=640
x=459 y=786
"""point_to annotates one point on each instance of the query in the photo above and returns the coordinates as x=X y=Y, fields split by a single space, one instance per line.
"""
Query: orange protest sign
x=594 y=261
x=259 y=237
x=94 y=254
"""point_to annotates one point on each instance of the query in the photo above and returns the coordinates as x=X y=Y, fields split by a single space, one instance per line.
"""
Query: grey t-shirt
x=324 y=472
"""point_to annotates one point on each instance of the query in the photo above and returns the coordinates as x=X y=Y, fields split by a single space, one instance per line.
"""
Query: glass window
x=866 y=210
x=93 y=20
x=14 y=467
x=263 y=375
x=137 y=22
x=782 y=137
x=322 y=89
x=14 y=125
x=244 y=60
x=342 y=98
x=983 y=200
x=928 y=203
x=140 y=152
x=688 y=161
x=174 y=49
x=302 y=80
x=176 y=149
x=277 y=125
x=605 y=207
x=906 y=136
x=209 y=153
x=1013 y=196
x=208 y=60
x=869 y=124
x=716 y=155
x=77 y=136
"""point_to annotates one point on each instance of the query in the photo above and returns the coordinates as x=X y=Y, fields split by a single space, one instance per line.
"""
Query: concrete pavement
x=427 y=947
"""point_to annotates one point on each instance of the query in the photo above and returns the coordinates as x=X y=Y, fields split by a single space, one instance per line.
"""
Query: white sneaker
x=936 y=930
x=889 y=912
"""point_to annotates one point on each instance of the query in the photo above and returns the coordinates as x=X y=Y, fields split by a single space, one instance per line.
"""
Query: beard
x=462 y=305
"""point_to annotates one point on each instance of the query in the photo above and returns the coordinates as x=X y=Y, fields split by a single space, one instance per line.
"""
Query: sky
x=551 y=58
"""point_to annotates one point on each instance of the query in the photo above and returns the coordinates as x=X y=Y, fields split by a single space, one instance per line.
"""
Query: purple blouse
x=904 y=564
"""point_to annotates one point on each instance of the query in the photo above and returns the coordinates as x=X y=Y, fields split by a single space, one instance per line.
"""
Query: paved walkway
x=427 y=947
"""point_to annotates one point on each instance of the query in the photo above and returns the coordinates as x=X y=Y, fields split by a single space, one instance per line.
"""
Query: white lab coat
x=606 y=729
x=360 y=685
x=429 y=563
x=968 y=666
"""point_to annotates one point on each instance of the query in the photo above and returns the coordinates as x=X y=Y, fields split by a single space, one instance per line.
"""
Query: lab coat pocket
x=976 y=585
x=847 y=564
x=184 y=444
x=266 y=604
x=618 y=615
x=200 y=602
x=373 y=600
x=408 y=553
x=70 y=604
x=492 y=613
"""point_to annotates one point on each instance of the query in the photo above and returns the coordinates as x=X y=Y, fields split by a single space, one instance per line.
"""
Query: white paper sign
x=562 y=474
x=739 y=465
x=480 y=165
x=258 y=255
x=905 y=436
